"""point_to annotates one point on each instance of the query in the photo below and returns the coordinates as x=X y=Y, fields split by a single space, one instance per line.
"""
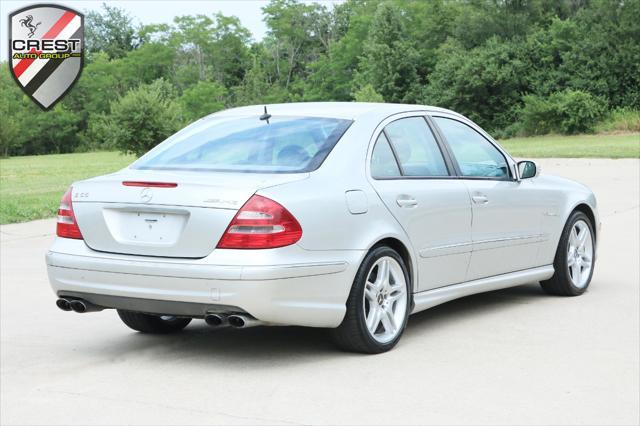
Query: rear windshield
x=248 y=144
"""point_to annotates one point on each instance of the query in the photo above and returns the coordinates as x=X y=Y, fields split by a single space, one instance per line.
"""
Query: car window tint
x=249 y=144
x=416 y=147
x=383 y=163
x=476 y=156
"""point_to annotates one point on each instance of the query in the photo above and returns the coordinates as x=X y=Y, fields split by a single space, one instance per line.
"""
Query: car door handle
x=407 y=202
x=480 y=199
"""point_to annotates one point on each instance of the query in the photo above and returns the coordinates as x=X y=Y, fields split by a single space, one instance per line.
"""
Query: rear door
x=416 y=183
x=506 y=213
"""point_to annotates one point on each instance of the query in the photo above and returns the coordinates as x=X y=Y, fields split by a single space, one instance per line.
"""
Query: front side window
x=476 y=156
x=248 y=144
x=416 y=148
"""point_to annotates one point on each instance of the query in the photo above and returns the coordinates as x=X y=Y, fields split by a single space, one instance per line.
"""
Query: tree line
x=514 y=66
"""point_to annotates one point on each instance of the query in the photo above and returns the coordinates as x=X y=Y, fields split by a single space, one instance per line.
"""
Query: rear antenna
x=266 y=116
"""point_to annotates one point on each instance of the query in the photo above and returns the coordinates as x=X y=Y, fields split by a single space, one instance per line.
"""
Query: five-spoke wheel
x=580 y=253
x=574 y=259
x=385 y=299
x=378 y=305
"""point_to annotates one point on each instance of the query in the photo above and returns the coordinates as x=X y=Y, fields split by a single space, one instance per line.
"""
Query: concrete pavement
x=515 y=356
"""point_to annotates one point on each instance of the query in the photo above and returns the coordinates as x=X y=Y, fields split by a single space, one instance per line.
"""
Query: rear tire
x=152 y=324
x=378 y=306
x=575 y=258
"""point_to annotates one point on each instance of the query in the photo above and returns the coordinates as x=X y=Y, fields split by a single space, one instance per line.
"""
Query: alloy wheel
x=580 y=254
x=385 y=299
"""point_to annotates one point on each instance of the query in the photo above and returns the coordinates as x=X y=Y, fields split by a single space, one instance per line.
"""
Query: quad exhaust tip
x=234 y=320
x=64 y=304
x=214 y=320
x=242 y=321
x=77 y=305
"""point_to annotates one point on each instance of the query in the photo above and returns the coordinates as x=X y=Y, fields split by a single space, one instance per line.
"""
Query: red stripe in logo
x=59 y=26
x=23 y=64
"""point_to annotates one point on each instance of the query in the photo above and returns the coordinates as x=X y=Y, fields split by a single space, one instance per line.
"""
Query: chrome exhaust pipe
x=243 y=321
x=64 y=304
x=215 y=320
x=82 y=306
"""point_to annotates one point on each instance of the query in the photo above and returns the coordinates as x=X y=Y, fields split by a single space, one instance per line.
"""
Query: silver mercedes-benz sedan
x=349 y=216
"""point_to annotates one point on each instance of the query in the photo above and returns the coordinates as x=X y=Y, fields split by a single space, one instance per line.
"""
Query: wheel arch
x=587 y=210
x=404 y=253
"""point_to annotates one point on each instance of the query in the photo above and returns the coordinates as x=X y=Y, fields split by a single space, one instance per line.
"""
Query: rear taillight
x=261 y=223
x=67 y=226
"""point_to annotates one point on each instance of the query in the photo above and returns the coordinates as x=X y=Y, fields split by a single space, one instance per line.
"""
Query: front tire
x=575 y=258
x=152 y=324
x=378 y=305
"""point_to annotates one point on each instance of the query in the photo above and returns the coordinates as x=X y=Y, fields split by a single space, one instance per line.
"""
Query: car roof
x=344 y=110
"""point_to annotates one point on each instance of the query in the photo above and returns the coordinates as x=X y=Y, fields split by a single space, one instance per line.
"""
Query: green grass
x=620 y=120
x=31 y=187
x=579 y=146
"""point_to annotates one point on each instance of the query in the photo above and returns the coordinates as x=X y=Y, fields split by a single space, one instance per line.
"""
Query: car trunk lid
x=161 y=213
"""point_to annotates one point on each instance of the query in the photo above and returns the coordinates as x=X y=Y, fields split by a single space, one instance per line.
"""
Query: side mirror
x=527 y=169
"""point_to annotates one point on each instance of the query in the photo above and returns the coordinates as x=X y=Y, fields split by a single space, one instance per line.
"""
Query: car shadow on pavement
x=281 y=346
x=475 y=305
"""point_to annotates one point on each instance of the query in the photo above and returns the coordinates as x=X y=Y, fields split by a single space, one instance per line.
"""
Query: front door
x=418 y=187
x=506 y=230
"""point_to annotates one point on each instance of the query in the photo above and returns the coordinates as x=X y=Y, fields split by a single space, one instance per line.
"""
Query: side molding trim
x=427 y=299
x=466 y=247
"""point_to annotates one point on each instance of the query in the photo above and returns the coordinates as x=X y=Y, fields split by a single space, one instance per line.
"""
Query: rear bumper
x=288 y=286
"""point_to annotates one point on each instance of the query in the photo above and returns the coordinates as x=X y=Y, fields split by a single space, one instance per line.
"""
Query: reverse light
x=67 y=227
x=261 y=223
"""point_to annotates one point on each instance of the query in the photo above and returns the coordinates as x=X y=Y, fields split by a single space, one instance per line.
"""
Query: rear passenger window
x=383 y=163
x=416 y=148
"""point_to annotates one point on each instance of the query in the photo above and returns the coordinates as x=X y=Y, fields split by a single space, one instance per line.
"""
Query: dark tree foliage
x=389 y=62
x=483 y=83
x=514 y=66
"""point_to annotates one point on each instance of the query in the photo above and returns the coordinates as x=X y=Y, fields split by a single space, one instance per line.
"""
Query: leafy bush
x=140 y=119
x=53 y=132
x=367 y=94
x=483 y=83
x=567 y=112
x=205 y=98
x=509 y=131
x=97 y=136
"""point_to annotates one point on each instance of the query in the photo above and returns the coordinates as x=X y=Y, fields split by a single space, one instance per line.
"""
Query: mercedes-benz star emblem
x=146 y=195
